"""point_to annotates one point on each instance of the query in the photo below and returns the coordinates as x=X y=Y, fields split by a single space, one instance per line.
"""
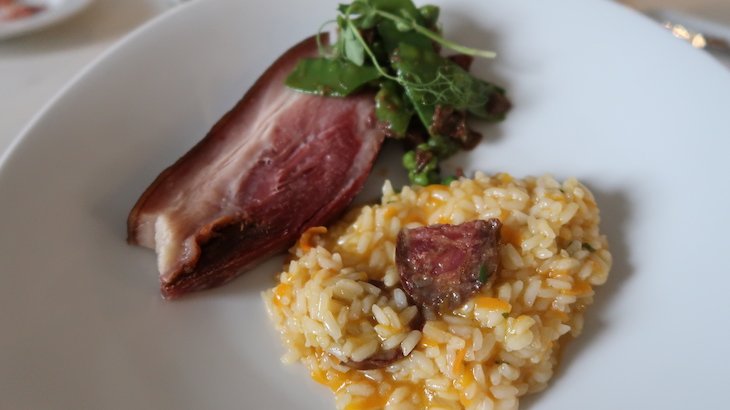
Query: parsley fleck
x=483 y=274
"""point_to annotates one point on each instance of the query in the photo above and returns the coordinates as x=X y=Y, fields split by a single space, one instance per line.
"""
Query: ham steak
x=275 y=165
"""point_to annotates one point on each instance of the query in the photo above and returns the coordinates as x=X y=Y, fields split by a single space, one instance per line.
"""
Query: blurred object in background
x=704 y=24
x=20 y=17
x=35 y=62
x=14 y=10
x=717 y=11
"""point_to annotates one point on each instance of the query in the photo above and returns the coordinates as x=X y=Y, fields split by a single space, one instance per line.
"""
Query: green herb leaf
x=401 y=7
x=392 y=37
x=483 y=274
x=400 y=51
x=354 y=51
x=429 y=14
x=505 y=315
x=322 y=76
x=367 y=21
x=409 y=20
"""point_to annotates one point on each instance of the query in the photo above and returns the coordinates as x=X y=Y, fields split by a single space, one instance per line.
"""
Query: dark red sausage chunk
x=441 y=266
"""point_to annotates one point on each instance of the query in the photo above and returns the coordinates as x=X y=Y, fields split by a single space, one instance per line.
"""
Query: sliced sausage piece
x=441 y=266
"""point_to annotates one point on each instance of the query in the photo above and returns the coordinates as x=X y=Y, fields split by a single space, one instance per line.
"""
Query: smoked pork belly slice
x=277 y=164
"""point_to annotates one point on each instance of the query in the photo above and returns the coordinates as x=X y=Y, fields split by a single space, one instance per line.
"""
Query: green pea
x=421 y=179
x=409 y=160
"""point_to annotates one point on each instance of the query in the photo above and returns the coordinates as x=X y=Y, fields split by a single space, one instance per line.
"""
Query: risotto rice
x=502 y=344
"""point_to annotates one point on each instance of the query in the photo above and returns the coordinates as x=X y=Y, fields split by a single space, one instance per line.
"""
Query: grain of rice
x=408 y=314
x=437 y=384
x=360 y=389
x=365 y=351
x=400 y=299
x=380 y=316
x=531 y=292
x=393 y=318
x=330 y=323
x=393 y=341
x=470 y=391
x=410 y=342
x=348 y=289
x=479 y=377
x=558 y=284
x=398 y=396
x=511 y=257
x=486 y=404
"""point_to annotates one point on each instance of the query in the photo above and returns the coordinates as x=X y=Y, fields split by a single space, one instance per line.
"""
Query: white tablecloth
x=35 y=67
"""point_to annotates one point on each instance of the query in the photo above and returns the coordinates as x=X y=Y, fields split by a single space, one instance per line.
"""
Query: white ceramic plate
x=55 y=11
x=599 y=92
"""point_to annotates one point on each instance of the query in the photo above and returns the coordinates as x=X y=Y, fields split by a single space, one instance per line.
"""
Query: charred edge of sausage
x=462 y=60
x=451 y=123
x=498 y=105
x=423 y=157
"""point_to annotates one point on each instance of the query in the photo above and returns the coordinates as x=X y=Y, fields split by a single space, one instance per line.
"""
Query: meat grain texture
x=278 y=163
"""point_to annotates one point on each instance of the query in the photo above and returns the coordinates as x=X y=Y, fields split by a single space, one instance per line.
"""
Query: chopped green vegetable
x=322 y=76
x=483 y=274
x=441 y=146
x=448 y=180
x=409 y=160
x=587 y=246
x=392 y=109
x=505 y=315
x=392 y=45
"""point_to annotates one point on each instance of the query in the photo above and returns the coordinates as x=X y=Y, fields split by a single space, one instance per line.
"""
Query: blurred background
x=35 y=66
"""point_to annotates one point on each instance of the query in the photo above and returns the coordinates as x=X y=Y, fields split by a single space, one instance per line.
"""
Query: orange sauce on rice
x=452 y=384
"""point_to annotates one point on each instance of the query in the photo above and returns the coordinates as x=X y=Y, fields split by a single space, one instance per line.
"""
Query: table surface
x=35 y=67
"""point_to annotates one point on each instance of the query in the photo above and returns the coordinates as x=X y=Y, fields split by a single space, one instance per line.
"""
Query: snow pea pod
x=326 y=77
